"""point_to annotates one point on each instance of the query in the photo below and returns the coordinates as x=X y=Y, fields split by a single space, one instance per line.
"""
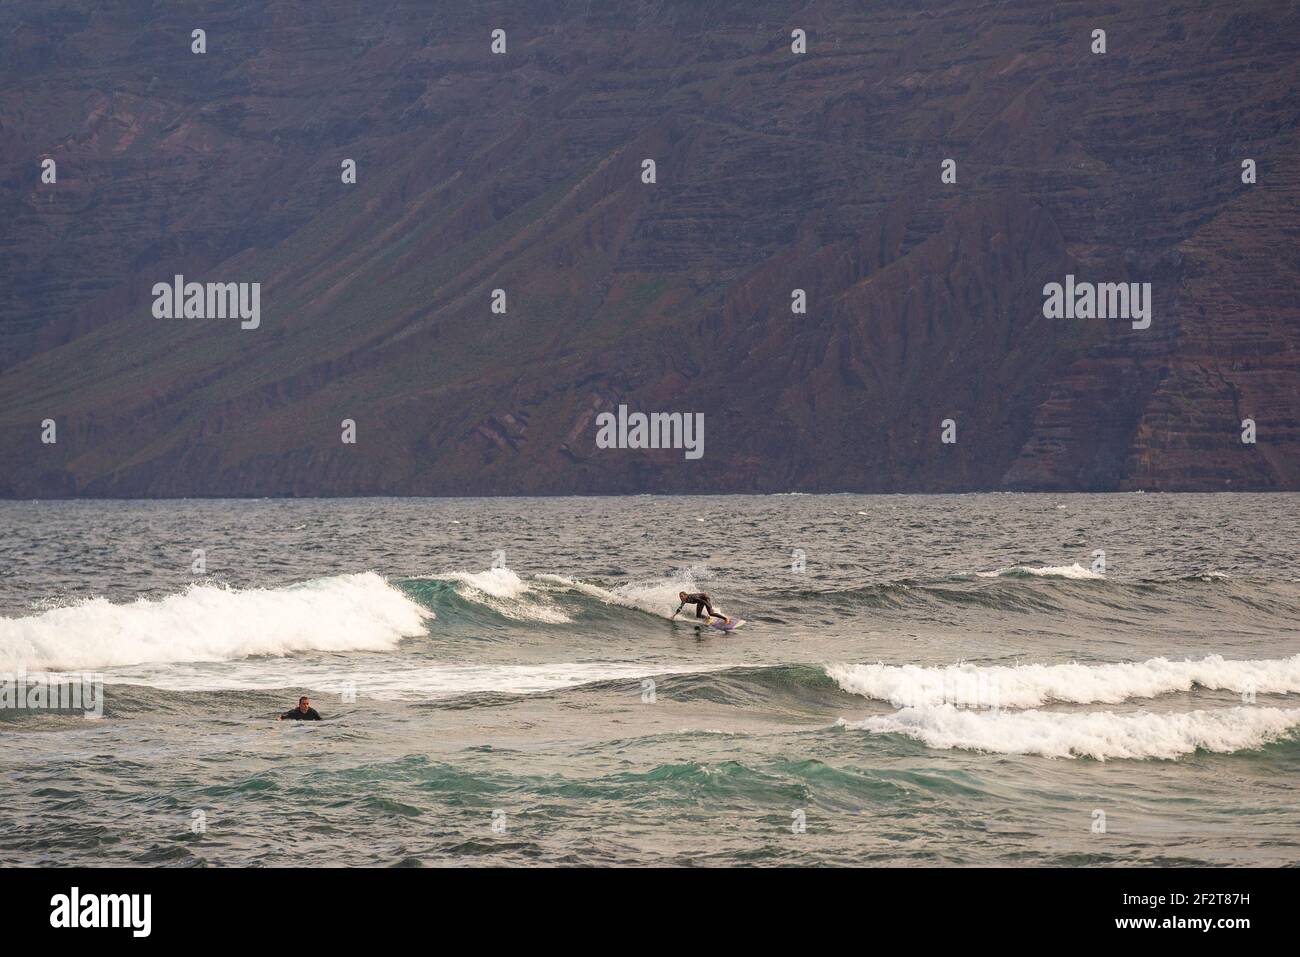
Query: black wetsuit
x=296 y=715
x=702 y=604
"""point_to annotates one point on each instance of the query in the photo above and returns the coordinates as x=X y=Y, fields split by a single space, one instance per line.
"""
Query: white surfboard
x=730 y=625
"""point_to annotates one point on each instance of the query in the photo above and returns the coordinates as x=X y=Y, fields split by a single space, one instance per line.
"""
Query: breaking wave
x=1075 y=571
x=207 y=622
x=1032 y=685
x=1099 y=735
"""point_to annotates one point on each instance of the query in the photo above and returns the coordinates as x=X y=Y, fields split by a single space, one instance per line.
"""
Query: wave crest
x=207 y=622
x=1099 y=735
x=1074 y=571
x=1030 y=686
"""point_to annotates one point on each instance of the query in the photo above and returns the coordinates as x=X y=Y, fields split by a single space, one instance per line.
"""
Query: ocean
x=997 y=679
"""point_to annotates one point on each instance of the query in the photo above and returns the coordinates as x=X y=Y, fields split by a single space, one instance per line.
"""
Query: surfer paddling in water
x=304 y=712
x=702 y=604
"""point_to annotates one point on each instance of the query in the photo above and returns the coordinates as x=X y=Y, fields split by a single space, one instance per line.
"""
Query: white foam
x=1075 y=571
x=1029 y=686
x=1099 y=735
x=391 y=679
x=505 y=593
x=214 y=623
x=495 y=582
x=656 y=596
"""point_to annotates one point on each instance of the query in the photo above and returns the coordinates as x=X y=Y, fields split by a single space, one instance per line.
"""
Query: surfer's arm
x=679 y=608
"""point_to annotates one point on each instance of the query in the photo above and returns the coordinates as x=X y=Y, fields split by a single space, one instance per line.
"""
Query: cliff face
x=523 y=172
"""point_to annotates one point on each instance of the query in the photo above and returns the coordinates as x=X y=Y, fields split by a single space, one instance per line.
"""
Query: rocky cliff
x=523 y=171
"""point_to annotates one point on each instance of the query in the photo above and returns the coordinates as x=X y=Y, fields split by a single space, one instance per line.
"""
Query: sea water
x=926 y=680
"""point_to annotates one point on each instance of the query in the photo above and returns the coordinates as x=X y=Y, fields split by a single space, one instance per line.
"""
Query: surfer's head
x=304 y=704
x=681 y=595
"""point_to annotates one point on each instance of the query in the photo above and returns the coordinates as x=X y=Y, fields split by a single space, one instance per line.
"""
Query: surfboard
x=730 y=625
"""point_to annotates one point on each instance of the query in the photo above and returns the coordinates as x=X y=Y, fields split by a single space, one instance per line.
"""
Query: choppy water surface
x=948 y=681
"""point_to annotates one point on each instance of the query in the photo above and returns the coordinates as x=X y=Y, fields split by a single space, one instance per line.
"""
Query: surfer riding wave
x=702 y=604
